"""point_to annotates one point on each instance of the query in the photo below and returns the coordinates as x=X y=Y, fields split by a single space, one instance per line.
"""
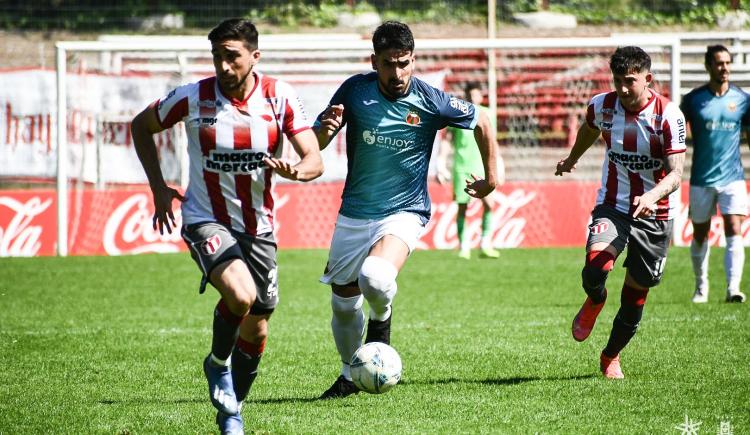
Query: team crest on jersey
x=211 y=245
x=412 y=118
x=732 y=106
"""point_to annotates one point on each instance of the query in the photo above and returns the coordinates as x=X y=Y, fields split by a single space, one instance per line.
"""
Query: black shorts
x=211 y=244
x=647 y=241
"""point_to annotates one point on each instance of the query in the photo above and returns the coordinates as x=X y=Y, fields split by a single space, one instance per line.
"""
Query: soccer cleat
x=340 y=389
x=489 y=253
x=230 y=424
x=700 y=296
x=610 y=367
x=736 y=296
x=379 y=330
x=220 y=387
x=465 y=254
x=584 y=321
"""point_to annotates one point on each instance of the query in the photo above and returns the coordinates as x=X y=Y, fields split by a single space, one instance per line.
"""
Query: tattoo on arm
x=671 y=182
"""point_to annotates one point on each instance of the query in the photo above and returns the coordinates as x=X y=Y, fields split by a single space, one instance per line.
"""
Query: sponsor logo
x=599 y=228
x=681 y=130
x=459 y=105
x=509 y=229
x=19 y=238
x=732 y=106
x=721 y=125
x=207 y=121
x=208 y=104
x=129 y=229
x=605 y=125
x=369 y=102
x=412 y=118
x=211 y=245
x=165 y=99
x=235 y=162
x=634 y=162
x=380 y=141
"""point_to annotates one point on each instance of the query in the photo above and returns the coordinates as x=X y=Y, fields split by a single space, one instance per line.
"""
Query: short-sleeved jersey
x=466 y=155
x=389 y=143
x=227 y=141
x=716 y=124
x=637 y=146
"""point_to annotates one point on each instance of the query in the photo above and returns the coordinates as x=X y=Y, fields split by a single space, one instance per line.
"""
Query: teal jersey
x=716 y=124
x=389 y=143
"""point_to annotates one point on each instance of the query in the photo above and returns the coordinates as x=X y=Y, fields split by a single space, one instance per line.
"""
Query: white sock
x=486 y=243
x=699 y=253
x=348 y=326
x=734 y=261
x=221 y=362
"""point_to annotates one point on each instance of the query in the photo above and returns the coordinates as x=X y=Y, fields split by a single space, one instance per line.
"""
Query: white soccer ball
x=375 y=367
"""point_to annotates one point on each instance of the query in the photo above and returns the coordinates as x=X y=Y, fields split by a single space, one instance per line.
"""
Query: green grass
x=114 y=345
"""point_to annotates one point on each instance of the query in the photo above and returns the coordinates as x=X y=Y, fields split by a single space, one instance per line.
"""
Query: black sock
x=225 y=331
x=245 y=361
x=627 y=320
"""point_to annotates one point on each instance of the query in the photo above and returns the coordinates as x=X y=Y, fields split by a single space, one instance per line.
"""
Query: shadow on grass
x=498 y=381
x=139 y=401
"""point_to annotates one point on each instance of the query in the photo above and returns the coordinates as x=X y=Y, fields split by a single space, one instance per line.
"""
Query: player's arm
x=646 y=203
x=484 y=134
x=309 y=167
x=584 y=139
x=142 y=128
x=329 y=123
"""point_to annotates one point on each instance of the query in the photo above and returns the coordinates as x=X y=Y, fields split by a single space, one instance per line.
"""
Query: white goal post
x=327 y=48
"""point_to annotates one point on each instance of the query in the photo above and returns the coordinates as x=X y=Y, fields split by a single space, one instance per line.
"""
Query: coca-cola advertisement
x=119 y=222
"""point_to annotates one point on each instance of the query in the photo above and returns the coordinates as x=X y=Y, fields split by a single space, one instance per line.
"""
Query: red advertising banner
x=119 y=222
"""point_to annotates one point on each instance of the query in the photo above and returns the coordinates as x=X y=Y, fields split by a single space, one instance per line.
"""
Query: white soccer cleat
x=700 y=296
x=736 y=296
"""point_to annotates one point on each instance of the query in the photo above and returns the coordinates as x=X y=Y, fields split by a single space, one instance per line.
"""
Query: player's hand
x=332 y=117
x=644 y=206
x=163 y=215
x=478 y=187
x=565 y=165
x=282 y=167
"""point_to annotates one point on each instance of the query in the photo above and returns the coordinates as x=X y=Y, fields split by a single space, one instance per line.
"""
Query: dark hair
x=470 y=86
x=711 y=50
x=236 y=29
x=392 y=35
x=629 y=59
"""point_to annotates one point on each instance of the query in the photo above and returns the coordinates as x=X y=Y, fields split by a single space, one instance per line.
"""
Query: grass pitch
x=114 y=345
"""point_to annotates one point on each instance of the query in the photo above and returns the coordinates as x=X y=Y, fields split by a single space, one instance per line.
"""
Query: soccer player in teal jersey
x=466 y=161
x=717 y=113
x=392 y=119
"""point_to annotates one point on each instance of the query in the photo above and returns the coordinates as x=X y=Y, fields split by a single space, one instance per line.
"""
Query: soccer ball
x=375 y=367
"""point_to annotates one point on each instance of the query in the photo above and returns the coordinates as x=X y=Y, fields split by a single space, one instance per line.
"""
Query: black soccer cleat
x=340 y=389
x=379 y=331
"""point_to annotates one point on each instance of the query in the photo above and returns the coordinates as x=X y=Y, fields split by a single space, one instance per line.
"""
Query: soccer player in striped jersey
x=234 y=122
x=717 y=113
x=645 y=138
x=392 y=119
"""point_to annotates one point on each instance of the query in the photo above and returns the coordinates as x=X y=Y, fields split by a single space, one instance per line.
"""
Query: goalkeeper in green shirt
x=467 y=161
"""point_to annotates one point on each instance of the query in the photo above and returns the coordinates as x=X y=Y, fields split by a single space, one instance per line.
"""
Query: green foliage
x=643 y=12
x=298 y=12
x=114 y=345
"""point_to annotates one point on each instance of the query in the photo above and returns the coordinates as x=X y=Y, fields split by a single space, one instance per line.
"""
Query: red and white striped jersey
x=637 y=146
x=227 y=141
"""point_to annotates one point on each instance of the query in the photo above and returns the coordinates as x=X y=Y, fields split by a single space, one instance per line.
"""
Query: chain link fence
x=145 y=15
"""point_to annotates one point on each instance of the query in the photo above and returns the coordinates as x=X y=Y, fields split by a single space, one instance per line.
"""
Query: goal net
x=542 y=87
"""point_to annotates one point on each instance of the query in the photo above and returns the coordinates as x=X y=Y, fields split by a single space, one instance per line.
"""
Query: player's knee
x=377 y=280
x=344 y=307
x=595 y=272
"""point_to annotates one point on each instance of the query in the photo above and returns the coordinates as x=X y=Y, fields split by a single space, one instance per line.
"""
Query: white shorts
x=353 y=238
x=732 y=199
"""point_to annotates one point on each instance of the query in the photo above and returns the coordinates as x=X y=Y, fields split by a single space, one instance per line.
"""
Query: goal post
x=318 y=63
